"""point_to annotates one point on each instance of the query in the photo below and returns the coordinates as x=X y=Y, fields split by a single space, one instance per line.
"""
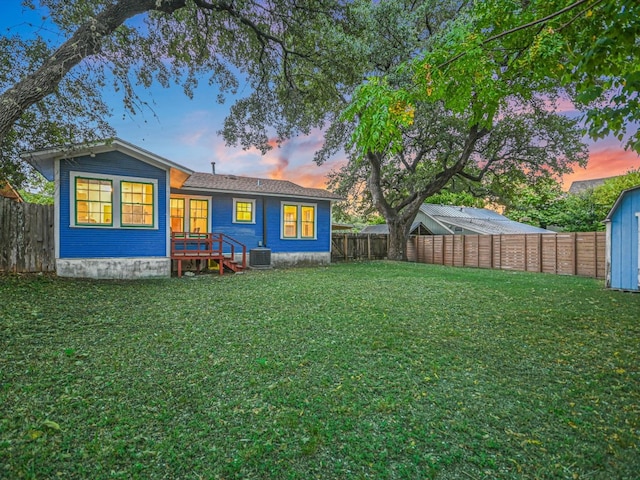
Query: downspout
x=264 y=222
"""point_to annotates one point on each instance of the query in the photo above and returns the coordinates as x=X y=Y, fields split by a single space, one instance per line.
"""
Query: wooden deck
x=208 y=246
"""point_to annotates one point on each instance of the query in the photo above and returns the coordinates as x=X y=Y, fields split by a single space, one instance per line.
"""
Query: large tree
x=136 y=42
x=439 y=146
x=493 y=58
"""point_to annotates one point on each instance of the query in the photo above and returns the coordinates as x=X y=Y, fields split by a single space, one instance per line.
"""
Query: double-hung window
x=93 y=201
x=137 y=204
x=244 y=210
x=113 y=201
x=298 y=221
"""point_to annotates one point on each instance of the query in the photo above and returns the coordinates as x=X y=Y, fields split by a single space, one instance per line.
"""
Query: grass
x=372 y=370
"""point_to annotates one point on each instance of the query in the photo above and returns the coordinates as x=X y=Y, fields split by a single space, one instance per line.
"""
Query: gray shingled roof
x=250 y=185
x=580 y=186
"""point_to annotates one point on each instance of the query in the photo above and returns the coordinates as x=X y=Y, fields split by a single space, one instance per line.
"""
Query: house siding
x=106 y=242
x=252 y=234
x=625 y=269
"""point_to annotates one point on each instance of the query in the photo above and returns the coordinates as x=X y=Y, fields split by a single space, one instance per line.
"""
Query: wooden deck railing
x=205 y=246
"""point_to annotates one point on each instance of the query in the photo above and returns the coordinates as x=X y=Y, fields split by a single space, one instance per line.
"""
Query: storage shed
x=623 y=248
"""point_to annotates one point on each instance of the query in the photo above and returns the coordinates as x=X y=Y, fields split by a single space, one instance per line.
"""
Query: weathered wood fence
x=358 y=246
x=26 y=237
x=561 y=253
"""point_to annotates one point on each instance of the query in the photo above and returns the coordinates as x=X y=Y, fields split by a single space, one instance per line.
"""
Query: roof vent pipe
x=213 y=167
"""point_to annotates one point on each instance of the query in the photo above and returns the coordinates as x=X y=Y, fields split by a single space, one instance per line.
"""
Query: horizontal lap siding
x=105 y=242
x=322 y=242
x=249 y=234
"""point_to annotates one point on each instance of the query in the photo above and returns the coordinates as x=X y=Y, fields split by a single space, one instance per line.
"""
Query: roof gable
x=44 y=160
x=619 y=201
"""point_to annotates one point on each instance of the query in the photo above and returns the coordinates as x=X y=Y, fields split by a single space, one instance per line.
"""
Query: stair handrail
x=232 y=243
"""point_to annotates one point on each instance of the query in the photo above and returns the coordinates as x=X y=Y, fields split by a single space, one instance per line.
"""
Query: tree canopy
x=133 y=43
x=544 y=204
x=495 y=51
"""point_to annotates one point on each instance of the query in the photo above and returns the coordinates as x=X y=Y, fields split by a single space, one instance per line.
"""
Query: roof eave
x=44 y=160
x=263 y=194
x=618 y=201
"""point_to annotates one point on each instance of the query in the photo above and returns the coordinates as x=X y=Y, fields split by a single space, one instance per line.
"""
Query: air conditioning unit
x=260 y=257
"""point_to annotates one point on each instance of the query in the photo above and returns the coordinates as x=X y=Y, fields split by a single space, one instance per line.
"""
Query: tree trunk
x=398 y=234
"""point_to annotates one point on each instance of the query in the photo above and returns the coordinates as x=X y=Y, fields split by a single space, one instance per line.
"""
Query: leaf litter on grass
x=372 y=370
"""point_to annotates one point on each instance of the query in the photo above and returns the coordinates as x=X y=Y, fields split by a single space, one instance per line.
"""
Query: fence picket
x=26 y=237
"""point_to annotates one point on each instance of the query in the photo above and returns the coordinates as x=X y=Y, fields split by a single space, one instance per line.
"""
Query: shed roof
x=479 y=220
x=619 y=201
x=383 y=228
x=250 y=185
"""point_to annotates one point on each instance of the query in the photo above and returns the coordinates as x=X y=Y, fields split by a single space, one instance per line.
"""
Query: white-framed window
x=112 y=201
x=298 y=220
x=244 y=210
x=190 y=213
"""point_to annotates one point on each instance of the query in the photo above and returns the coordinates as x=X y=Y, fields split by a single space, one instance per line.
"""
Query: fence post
x=575 y=253
x=540 y=264
x=346 y=246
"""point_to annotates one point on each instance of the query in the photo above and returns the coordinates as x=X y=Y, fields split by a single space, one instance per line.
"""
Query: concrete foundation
x=300 y=259
x=114 y=268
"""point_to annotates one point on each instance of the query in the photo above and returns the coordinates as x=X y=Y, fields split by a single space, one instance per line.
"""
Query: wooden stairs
x=205 y=247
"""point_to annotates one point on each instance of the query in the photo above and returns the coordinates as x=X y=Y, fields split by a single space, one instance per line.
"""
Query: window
x=93 y=201
x=112 y=201
x=137 y=204
x=244 y=210
x=298 y=221
x=189 y=213
x=290 y=221
x=308 y=221
x=199 y=216
x=177 y=214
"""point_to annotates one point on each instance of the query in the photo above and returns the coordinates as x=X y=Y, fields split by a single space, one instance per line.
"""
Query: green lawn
x=371 y=370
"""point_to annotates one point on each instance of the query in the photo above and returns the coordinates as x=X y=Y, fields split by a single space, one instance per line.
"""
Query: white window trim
x=299 y=221
x=187 y=209
x=116 y=200
x=253 y=211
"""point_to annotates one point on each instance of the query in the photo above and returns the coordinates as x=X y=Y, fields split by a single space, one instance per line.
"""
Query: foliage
x=267 y=48
x=39 y=191
x=391 y=370
x=606 y=194
x=73 y=113
x=538 y=203
x=544 y=204
x=499 y=50
x=525 y=144
x=456 y=198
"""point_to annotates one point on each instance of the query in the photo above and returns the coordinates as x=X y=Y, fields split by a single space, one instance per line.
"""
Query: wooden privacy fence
x=561 y=253
x=358 y=246
x=26 y=237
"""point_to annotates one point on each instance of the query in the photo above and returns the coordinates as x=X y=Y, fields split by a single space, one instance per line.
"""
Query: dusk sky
x=184 y=130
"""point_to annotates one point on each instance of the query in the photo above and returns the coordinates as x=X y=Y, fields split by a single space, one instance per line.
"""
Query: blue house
x=623 y=247
x=124 y=212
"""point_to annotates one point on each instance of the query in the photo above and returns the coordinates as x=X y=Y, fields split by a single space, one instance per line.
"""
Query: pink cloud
x=606 y=159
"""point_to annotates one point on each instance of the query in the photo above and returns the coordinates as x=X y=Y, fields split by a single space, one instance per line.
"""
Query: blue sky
x=184 y=130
